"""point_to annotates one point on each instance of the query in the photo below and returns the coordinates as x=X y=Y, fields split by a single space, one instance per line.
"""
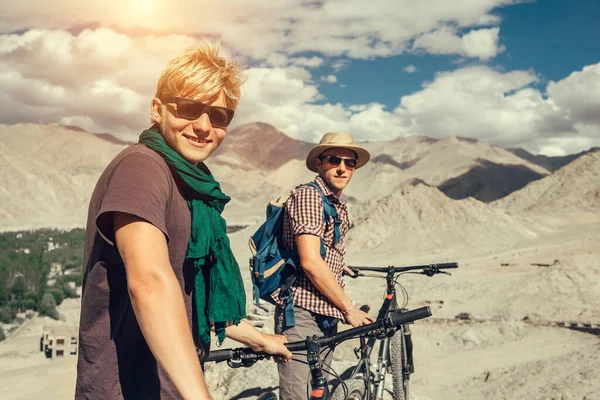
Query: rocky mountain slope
x=573 y=188
x=48 y=170
x=48 y=173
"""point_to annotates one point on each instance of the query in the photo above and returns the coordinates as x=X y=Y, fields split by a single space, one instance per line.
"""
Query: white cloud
x=358 y=107
x=259 y=28
x=103 y=78
x=276 y=97
x=329 y=79
x=98 y=76
x=110 y=89
x=479 y=43
x=410 y=69
x=312 y=62
x=340 y=64
x=277 y=60
x=504 y=108
x=588 y=136
x=579 y=94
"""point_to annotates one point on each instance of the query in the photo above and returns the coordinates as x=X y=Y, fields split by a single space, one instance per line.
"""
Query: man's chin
x=197 y=155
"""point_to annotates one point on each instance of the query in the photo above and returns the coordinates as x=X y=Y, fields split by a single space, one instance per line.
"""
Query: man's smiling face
x=336 y=177
x=193 y=140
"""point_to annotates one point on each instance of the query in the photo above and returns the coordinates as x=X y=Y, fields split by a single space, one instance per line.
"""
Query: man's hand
x=274 y=344
x=247 y=334
x=357 y=317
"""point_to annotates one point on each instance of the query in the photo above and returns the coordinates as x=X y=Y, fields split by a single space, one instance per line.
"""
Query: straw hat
x=336 y=140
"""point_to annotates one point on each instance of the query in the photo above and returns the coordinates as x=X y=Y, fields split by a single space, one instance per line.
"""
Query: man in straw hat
x=318 y=292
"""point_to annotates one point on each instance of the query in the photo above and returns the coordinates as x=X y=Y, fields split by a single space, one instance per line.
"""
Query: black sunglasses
x=350 y=163
x=192 y=110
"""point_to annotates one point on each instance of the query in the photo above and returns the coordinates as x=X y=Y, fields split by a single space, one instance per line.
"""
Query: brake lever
x=242 y=363
x=356 y=273
x=431 y=271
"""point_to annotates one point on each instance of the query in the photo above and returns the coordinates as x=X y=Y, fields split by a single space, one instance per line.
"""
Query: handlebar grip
x=399 y=318
x=447 y=265
x=296 y=346
x=220 y=355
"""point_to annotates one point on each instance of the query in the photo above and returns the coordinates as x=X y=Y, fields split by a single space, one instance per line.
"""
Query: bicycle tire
x=398 y=361
x=355 y=391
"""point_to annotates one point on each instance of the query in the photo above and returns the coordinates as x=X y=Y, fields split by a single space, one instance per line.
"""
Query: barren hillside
x=460 y=167
x=48 y=173
x=573 y=188
x=550 y=163
x=260 y=145
x=421 y=218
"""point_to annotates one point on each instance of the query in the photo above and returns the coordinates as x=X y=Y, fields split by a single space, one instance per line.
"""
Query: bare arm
x=158 y=303
x=258 y=341
x=317 y=271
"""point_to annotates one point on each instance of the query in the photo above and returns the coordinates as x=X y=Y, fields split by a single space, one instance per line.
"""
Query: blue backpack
x=273 y=267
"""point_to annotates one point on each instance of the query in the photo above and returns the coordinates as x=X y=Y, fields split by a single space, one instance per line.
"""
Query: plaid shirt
x=304 y=215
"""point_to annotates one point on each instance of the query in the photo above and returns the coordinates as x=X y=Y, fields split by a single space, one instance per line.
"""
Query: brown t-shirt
x=115 y=361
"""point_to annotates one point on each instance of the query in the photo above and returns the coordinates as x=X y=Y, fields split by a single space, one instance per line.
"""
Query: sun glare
x=143 y=9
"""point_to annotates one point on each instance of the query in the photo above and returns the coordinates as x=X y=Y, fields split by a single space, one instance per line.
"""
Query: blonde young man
x=318 y=292
x=159 y=272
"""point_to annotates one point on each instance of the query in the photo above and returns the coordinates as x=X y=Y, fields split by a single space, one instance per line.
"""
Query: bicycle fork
x=380 y=372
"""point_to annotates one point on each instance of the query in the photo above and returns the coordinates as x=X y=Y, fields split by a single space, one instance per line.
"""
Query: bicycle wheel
x=355 y=391
x=398 y=361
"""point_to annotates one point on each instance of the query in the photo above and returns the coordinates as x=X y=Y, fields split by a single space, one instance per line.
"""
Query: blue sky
x=514 y=73
x=551 y=37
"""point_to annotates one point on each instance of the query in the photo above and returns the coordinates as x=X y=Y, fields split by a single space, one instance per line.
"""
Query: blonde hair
x=201 y=74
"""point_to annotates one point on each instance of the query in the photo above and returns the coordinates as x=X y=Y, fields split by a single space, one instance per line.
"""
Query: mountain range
x=49 y=171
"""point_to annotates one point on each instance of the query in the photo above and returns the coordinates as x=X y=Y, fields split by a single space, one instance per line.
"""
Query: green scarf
x=218 y=288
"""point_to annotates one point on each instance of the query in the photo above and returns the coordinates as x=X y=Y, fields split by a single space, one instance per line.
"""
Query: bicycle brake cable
x=403 y=290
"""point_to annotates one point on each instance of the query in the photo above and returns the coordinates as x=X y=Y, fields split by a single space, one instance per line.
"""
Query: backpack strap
x=289 y=320
x=329 y=211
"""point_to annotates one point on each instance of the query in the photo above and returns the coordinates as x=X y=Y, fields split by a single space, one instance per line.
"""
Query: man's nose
x=341 y=167
x=202 y=124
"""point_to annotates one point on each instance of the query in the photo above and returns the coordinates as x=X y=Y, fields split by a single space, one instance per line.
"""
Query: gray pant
x=295 y=376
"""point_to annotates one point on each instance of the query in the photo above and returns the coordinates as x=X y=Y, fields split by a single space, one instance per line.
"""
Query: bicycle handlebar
x=404 y=269
x=395 y=319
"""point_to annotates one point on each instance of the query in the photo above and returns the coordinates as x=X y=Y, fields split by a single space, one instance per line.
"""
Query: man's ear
x=318 y=164
x=156 y=110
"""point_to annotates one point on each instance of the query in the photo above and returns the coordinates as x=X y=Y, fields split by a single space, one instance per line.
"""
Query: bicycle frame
x=376 y=383
x=247 y=357
x=319 y=384
x=389 y=322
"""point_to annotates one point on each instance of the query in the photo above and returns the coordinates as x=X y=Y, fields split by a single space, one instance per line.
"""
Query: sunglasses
x=350 y=163
x=192 y=110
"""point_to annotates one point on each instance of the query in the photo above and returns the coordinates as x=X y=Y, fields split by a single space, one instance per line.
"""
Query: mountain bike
x=380 y=329
x=395 y=351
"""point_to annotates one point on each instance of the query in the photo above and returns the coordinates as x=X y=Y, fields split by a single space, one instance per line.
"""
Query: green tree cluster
x=26 y=258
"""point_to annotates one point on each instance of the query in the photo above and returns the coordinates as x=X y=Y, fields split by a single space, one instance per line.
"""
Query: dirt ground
x=511 y=348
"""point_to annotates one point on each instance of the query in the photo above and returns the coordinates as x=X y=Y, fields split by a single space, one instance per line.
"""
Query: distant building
x=59 y=341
